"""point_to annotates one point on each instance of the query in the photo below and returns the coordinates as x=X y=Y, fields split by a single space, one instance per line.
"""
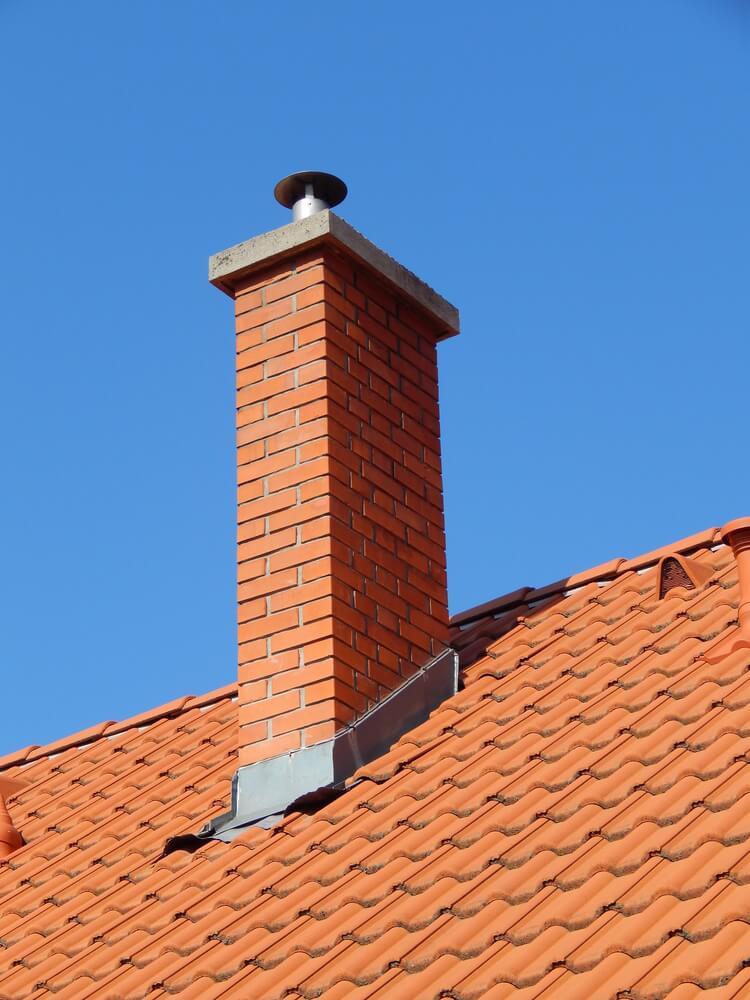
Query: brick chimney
x=341 y=546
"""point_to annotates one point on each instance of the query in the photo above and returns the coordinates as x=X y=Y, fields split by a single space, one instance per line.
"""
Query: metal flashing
x=230 y=266
x=263 y=792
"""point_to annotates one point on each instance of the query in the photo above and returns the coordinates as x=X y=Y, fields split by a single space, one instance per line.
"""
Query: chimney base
x=262 y=793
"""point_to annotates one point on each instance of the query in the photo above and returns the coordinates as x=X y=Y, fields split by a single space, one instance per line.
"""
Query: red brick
x=347 y=383
x=295 y=283
x=338 y=268
x=312 y=372
x=413 y=597
x=320 y=527
x=316 y=568
x=343 y=693
x=426 y=546
x=249 y=339
x=317 y=331
x=264 y=428
x=323 y=649
x=334 y=317
x=269 y=543
x=355 y=296
x=255 y=356
x=408 y=517
x=296 y=596
x=255 y=650
x=254 y=734
x=304 y=717
x=378 y=331
x=424 y=326
x=298 y=474
x=324 y=690
x=436 y=536
x=297 y=358
x=262 y=278
x=251 y=529
x=296 y=321
x=269 y=505
x=248 y=376
x=253 y=691
x=262 y=315
x=388 y=521
x=251 y=452
x=269 y=666
x=343 y=306
x=296 y=397
x=347 y=654
x=252 y=752
x=314 y=449
x=433 y=588
x=292 y=436
x=314 y=611
x=424 y=508
x=249 y=413
x=304 y=676
x=266 y=389
x=249 y=491
x=409 y=481
x=310 y=257
x=369 y=609
x=268 y=583
x=372 y=289
x=298 y=513
x=416 y=636
x=269 y=625
x=250 y=570
x=382 y=406
x=312 y=411
x=300 y=637
x=263 y=467
x=386 y=618
x=248 y=300
x=269 y=708
x=377 y=478
x=317 y=734
x=386 y=671
x=387 y=638
x=315 y=293
x=367 y=686
x=363 y=526
x=249 y=610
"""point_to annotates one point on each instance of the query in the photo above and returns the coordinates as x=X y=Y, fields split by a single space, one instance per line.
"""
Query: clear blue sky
x=573 y=175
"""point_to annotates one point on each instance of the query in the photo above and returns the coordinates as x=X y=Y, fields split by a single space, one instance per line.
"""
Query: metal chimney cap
x=310 y=191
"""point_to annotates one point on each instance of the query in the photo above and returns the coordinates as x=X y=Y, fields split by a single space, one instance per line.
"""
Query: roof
x=575 y=822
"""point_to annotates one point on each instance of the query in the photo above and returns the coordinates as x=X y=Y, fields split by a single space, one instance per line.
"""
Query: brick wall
x=341 y=547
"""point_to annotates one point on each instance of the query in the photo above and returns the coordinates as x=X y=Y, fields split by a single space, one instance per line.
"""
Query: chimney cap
x=312 y=187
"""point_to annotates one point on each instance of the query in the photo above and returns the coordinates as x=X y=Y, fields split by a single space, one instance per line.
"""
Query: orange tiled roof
x=574 y=823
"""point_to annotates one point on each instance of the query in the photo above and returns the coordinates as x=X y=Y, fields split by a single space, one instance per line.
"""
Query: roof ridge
x=604 y=571
x=109 y=728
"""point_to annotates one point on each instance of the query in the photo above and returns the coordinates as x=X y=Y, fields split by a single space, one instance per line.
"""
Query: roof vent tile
x=674 y=571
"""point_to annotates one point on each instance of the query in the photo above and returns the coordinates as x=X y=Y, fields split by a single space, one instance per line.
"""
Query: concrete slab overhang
x=227 y=268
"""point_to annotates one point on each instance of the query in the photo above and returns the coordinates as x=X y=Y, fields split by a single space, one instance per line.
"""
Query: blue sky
x=574 y=176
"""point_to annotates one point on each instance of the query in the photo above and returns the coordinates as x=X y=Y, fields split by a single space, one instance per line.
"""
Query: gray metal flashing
x=229 y=266
x=263 y=792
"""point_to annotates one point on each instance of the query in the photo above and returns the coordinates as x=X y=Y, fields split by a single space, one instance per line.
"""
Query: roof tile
x=574 y=822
